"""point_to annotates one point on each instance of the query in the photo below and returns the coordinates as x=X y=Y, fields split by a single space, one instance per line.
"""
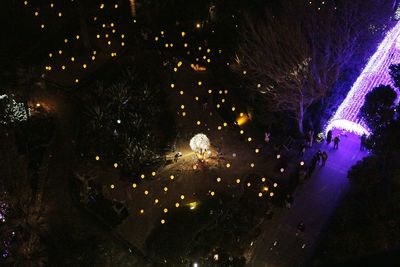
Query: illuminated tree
x=294 y=59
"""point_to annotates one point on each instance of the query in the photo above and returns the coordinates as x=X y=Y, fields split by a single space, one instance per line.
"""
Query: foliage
x=121 y=121
x=378 y=108
x=394 y=71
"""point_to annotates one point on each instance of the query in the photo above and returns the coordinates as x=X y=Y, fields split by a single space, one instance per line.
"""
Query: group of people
x=336 y=140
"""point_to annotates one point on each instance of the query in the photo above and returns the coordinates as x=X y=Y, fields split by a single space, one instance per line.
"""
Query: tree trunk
x=300 y=117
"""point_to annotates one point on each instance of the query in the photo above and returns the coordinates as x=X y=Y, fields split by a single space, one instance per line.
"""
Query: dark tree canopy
x=378 y=109
x=395 y=74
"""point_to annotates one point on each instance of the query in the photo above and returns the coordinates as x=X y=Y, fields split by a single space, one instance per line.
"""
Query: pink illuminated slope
x=375 y=73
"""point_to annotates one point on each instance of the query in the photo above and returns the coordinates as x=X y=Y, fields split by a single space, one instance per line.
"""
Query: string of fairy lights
x=112 y=40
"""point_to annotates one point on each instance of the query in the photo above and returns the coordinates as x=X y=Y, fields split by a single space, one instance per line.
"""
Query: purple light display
x=375 y=73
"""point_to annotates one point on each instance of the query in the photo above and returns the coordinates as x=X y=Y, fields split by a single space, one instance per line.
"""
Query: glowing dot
x=156 y=38
x=179 y=64
x=275 y=184
x=181 y=92
x=182 y=106
x=198 y=25
x=77 y=37
x=257 y=150
x=252 y=165
x=65 y=40
x=36 y=13
x=165 y=189
x=116 y=6
x=197 y=98
x=177 y=204
x=249 y=139
x=198 y=122
x=199 y=82
x=185 y=45
x=112 y=186
x=175 y=69
x=165 y=210
x=260 y=194
x=212 y=193
x=248 y=184
x=142 y=211
x=258 y=85
x=84 y=66
x=228 y=165
x=42 y=26
x=184 y=114
x=219 y=127
x=238 y=181
x=282 y=169
x=115 y=165
x=218 y=179
x=134 y=185
x=210 y=91
x=101 y=6
x=233 y=108
x=263 y=179
x=241 y=132
x=153 y=173
x=271 y=194
x=59 y=14
x=162 y=221
x=183 y=34
x=172 y=85
x=60 y=52
x=142 y=176
x=182 y=197
x=76 y=80
x=218 y=105
x=50 y=55
x=146 y=192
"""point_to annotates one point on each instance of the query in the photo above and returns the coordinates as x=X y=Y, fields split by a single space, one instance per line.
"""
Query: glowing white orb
x=200 y=143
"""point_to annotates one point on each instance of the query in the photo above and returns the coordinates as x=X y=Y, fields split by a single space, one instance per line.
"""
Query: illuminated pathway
x=374 y=74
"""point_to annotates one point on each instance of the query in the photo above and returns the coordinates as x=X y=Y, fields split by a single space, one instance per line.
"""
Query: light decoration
x=375 y=73
x=13 y=111
x=200 y=144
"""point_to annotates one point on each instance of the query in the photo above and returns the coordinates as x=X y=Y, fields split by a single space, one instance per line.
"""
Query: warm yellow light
x=228 y=165
x=162 y=221
x=242 y=119
x=271 y=194
x=84 y=66
x=181 y=92
x=241 y=132
x=65 y=40
x=115 y=165
x=142 y=211
x=146 y=192
x=172 y=177
x=101 y=6
x=50 y=55
x=212 y=193
x=198 y=25
x=183 y=34
x=142 y=176
x=257 y=150
x=177 y=204
x=179 y=64
x=225 y=124
x=76 y=80
x=172 y=85
x=42 y=26
x=36 y=13
x=199 y=83
x=175 y=69
x=182 y=106
x=60 y=52
x=209 y=91
x=184 y=114
x=112 y=186
x=275 y=184
x=63 y=67
x=218 y=179
x=263 y=179
x=165 y=189
x=249 y=139
x=238 y=181
x=153 y=173
x=265 y=189
x=77 y=37
x=248 y=184
x=198 y=122
x=185 y=45
x=219 y=128
x=134 y=185
x=182 y=197
x=260 y=194
x=165 y=210
x=252 y=165
x=60 y=14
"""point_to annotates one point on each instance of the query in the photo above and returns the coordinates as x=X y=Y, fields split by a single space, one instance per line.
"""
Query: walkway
x=314 y=203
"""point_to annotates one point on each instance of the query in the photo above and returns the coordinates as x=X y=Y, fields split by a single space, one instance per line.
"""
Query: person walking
x=319 y=155
x=324 y=157
x=336 y=141
x=302 y=149
x=363 y=141
x=329 y=137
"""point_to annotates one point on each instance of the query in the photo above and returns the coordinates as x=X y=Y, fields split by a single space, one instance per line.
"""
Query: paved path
x=314 y=203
